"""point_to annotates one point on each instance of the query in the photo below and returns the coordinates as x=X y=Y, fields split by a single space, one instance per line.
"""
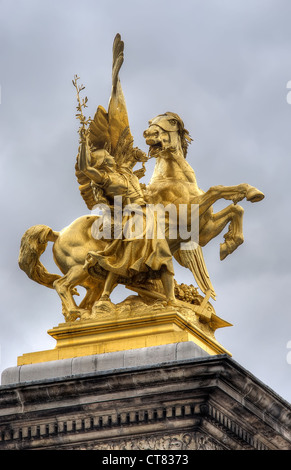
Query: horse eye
x=172 y=122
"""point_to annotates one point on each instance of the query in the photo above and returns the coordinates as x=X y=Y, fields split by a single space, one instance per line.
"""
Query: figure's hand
x=83 y=133
x=140 y=173
x=140 y=156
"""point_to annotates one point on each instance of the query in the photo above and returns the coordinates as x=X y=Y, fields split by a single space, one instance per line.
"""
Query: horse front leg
x=110 y=284
x=92 y=295
x=233 y=193
x=65 y=286
x=233 y=215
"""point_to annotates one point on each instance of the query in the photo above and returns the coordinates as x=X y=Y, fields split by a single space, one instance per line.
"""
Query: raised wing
x=194 y=260
x=110 y=130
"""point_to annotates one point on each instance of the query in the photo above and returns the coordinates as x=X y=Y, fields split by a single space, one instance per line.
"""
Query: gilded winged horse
x=105 y=161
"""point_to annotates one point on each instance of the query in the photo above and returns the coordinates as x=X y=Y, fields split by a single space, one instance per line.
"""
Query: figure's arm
x=94 y=174
x=84 y=154
x=84 y=163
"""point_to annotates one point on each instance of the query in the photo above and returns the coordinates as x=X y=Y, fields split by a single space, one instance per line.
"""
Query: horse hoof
x=227 y=248
x=103 y=305
x=223 y=251
x=254 y=195
x=74 y=314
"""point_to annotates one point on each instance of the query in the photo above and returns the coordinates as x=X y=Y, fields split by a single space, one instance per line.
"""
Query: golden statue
x=99 y=252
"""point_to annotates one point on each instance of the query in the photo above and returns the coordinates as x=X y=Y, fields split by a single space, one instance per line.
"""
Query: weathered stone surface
x=99 y=362
x=190 y=404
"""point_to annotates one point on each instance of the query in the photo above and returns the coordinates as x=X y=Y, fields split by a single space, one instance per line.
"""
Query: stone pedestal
x=120 y=331
x=173 y=397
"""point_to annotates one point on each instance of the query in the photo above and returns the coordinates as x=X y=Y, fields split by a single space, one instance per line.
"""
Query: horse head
x=166 y=134
x=173 y=178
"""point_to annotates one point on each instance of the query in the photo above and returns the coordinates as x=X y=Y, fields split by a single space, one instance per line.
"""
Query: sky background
x=223 y=66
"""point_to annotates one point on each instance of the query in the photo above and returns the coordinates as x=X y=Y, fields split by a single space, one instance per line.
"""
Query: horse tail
x=33 y=244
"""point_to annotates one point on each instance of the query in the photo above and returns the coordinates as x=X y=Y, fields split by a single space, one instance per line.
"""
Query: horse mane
x=183 y=133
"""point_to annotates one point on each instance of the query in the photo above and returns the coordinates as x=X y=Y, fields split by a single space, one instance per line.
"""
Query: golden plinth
x=123 y=330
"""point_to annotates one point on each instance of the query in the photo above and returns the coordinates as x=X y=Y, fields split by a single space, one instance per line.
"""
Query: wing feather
x=99 y=135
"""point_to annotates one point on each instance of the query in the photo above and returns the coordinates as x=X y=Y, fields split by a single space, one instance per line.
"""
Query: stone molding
x=102 y=362
x=209 y=403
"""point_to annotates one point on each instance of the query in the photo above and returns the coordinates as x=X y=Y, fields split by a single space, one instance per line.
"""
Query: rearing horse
x=174 y=182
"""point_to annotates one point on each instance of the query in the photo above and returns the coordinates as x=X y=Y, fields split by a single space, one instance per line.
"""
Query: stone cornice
x=212 y=394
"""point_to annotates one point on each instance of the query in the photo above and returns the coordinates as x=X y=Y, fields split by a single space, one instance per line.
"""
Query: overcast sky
x=223 y=66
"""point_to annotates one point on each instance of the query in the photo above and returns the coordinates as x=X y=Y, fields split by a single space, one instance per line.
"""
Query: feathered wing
x=109 y=129
x=120 y=135
x=194 y=260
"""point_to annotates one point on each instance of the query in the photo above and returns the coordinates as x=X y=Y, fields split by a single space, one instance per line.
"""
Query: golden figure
x=105 y=170
x=126 y=257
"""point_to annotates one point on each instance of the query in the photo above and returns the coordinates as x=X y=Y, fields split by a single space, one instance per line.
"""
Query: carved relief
x=174 y=442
